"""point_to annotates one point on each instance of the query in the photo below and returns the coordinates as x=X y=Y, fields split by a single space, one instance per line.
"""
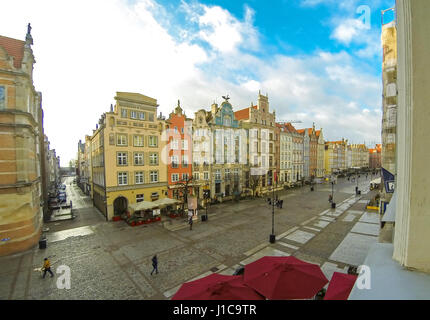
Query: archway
x=120 y=205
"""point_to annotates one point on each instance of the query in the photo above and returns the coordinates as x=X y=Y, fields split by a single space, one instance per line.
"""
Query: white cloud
x=348 y=30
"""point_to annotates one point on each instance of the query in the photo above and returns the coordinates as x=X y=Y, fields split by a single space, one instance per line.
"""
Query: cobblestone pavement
x=111 y=260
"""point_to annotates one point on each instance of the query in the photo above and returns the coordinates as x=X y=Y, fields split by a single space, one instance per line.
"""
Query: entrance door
x=120 y=205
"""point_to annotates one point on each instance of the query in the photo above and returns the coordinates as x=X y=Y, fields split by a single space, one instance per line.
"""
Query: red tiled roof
x=242 y=114
x=14 y=48
x=318 y=133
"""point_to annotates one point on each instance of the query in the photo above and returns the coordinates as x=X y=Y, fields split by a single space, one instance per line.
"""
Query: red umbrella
x=340 y=286
x=284 y=278
x=217 y=287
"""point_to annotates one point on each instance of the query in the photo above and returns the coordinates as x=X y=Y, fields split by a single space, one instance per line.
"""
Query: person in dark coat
x=281 y=204
x=190 y=221
x=154 y=264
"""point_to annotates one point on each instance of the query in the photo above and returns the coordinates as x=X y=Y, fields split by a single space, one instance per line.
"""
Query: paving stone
x=349 y=217
x=330 y=219
x=269 y=251
x=321 y=224
x=353 y=249
x=288 y=245
x=370 y=217
x=356 y=211
x=313 y=229
x=300 y=236
x=366 y=228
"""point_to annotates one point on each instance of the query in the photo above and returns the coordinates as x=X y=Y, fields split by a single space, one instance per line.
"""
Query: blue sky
x=318 y=60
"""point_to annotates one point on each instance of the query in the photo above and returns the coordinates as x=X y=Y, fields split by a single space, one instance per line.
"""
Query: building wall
x=20 y=151
x=116 y=124
x=411 y=234
x=180 y=145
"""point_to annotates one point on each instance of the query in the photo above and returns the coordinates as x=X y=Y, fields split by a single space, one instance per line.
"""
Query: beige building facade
x=129 y=155
x=21 y=147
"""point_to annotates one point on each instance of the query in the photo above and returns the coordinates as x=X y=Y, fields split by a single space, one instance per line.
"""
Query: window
x=151 y=116
x=175 y=161
x=206 y=175
x=138 y=177
x=133 y=114
x=176 y=129
x=138 y=141
x=123 y=113
x=185 y=176
x=140 y=197
x=182 y=130
x=121 y=140
x=2 y=98
x=138 y=159
x=121 y=158
x=175 y=144
x=218 y=174
x=122 y=178
x=153 y=159
x=227 y=173
x=153 y=141
x=185 y=160
x=153 y=175
x=184 y=144
x=196 y=176
x=175 y=177
x=142 y=115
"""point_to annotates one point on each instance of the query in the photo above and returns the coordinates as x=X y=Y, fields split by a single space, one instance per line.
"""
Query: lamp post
x=272 y=237
x=356 y=188
x=333 y=204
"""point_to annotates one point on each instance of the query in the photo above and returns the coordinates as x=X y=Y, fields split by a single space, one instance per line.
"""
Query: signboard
x=192 y=203
x=388 y=178
x=156 y=212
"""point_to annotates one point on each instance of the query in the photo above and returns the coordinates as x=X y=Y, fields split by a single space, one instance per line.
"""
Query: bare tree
x=254 y=182
x=183 y=186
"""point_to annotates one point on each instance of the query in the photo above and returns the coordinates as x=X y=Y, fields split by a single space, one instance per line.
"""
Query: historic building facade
x=21 y=147
x=286 y=154
x=320 y=153
x=229 y=145
x=180 y=176
x=129 y=156
x=259 y=122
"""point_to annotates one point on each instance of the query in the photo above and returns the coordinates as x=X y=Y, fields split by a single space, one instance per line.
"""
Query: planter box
x=133 y=223
x=116 y=218
x=158 y=219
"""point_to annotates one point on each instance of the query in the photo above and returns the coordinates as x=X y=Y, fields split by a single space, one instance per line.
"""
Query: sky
x=319 y=61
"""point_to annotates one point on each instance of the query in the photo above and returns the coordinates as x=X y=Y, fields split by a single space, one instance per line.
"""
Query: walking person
x=190 y=221
x=47 y=267
x=154 y=264
x=281 y=203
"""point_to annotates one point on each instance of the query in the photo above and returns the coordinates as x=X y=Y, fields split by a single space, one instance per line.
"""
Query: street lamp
x=272 y=237
x=356 y=188
x=333 y=204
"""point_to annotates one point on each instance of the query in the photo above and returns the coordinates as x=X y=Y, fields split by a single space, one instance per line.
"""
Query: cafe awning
x=143 y=205
x=161 y=203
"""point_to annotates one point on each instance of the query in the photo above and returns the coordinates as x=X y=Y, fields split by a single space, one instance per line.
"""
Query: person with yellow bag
x=47 y=267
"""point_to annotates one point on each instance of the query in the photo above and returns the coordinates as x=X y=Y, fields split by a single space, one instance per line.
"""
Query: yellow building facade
x=129 y=162
x=21 y=133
